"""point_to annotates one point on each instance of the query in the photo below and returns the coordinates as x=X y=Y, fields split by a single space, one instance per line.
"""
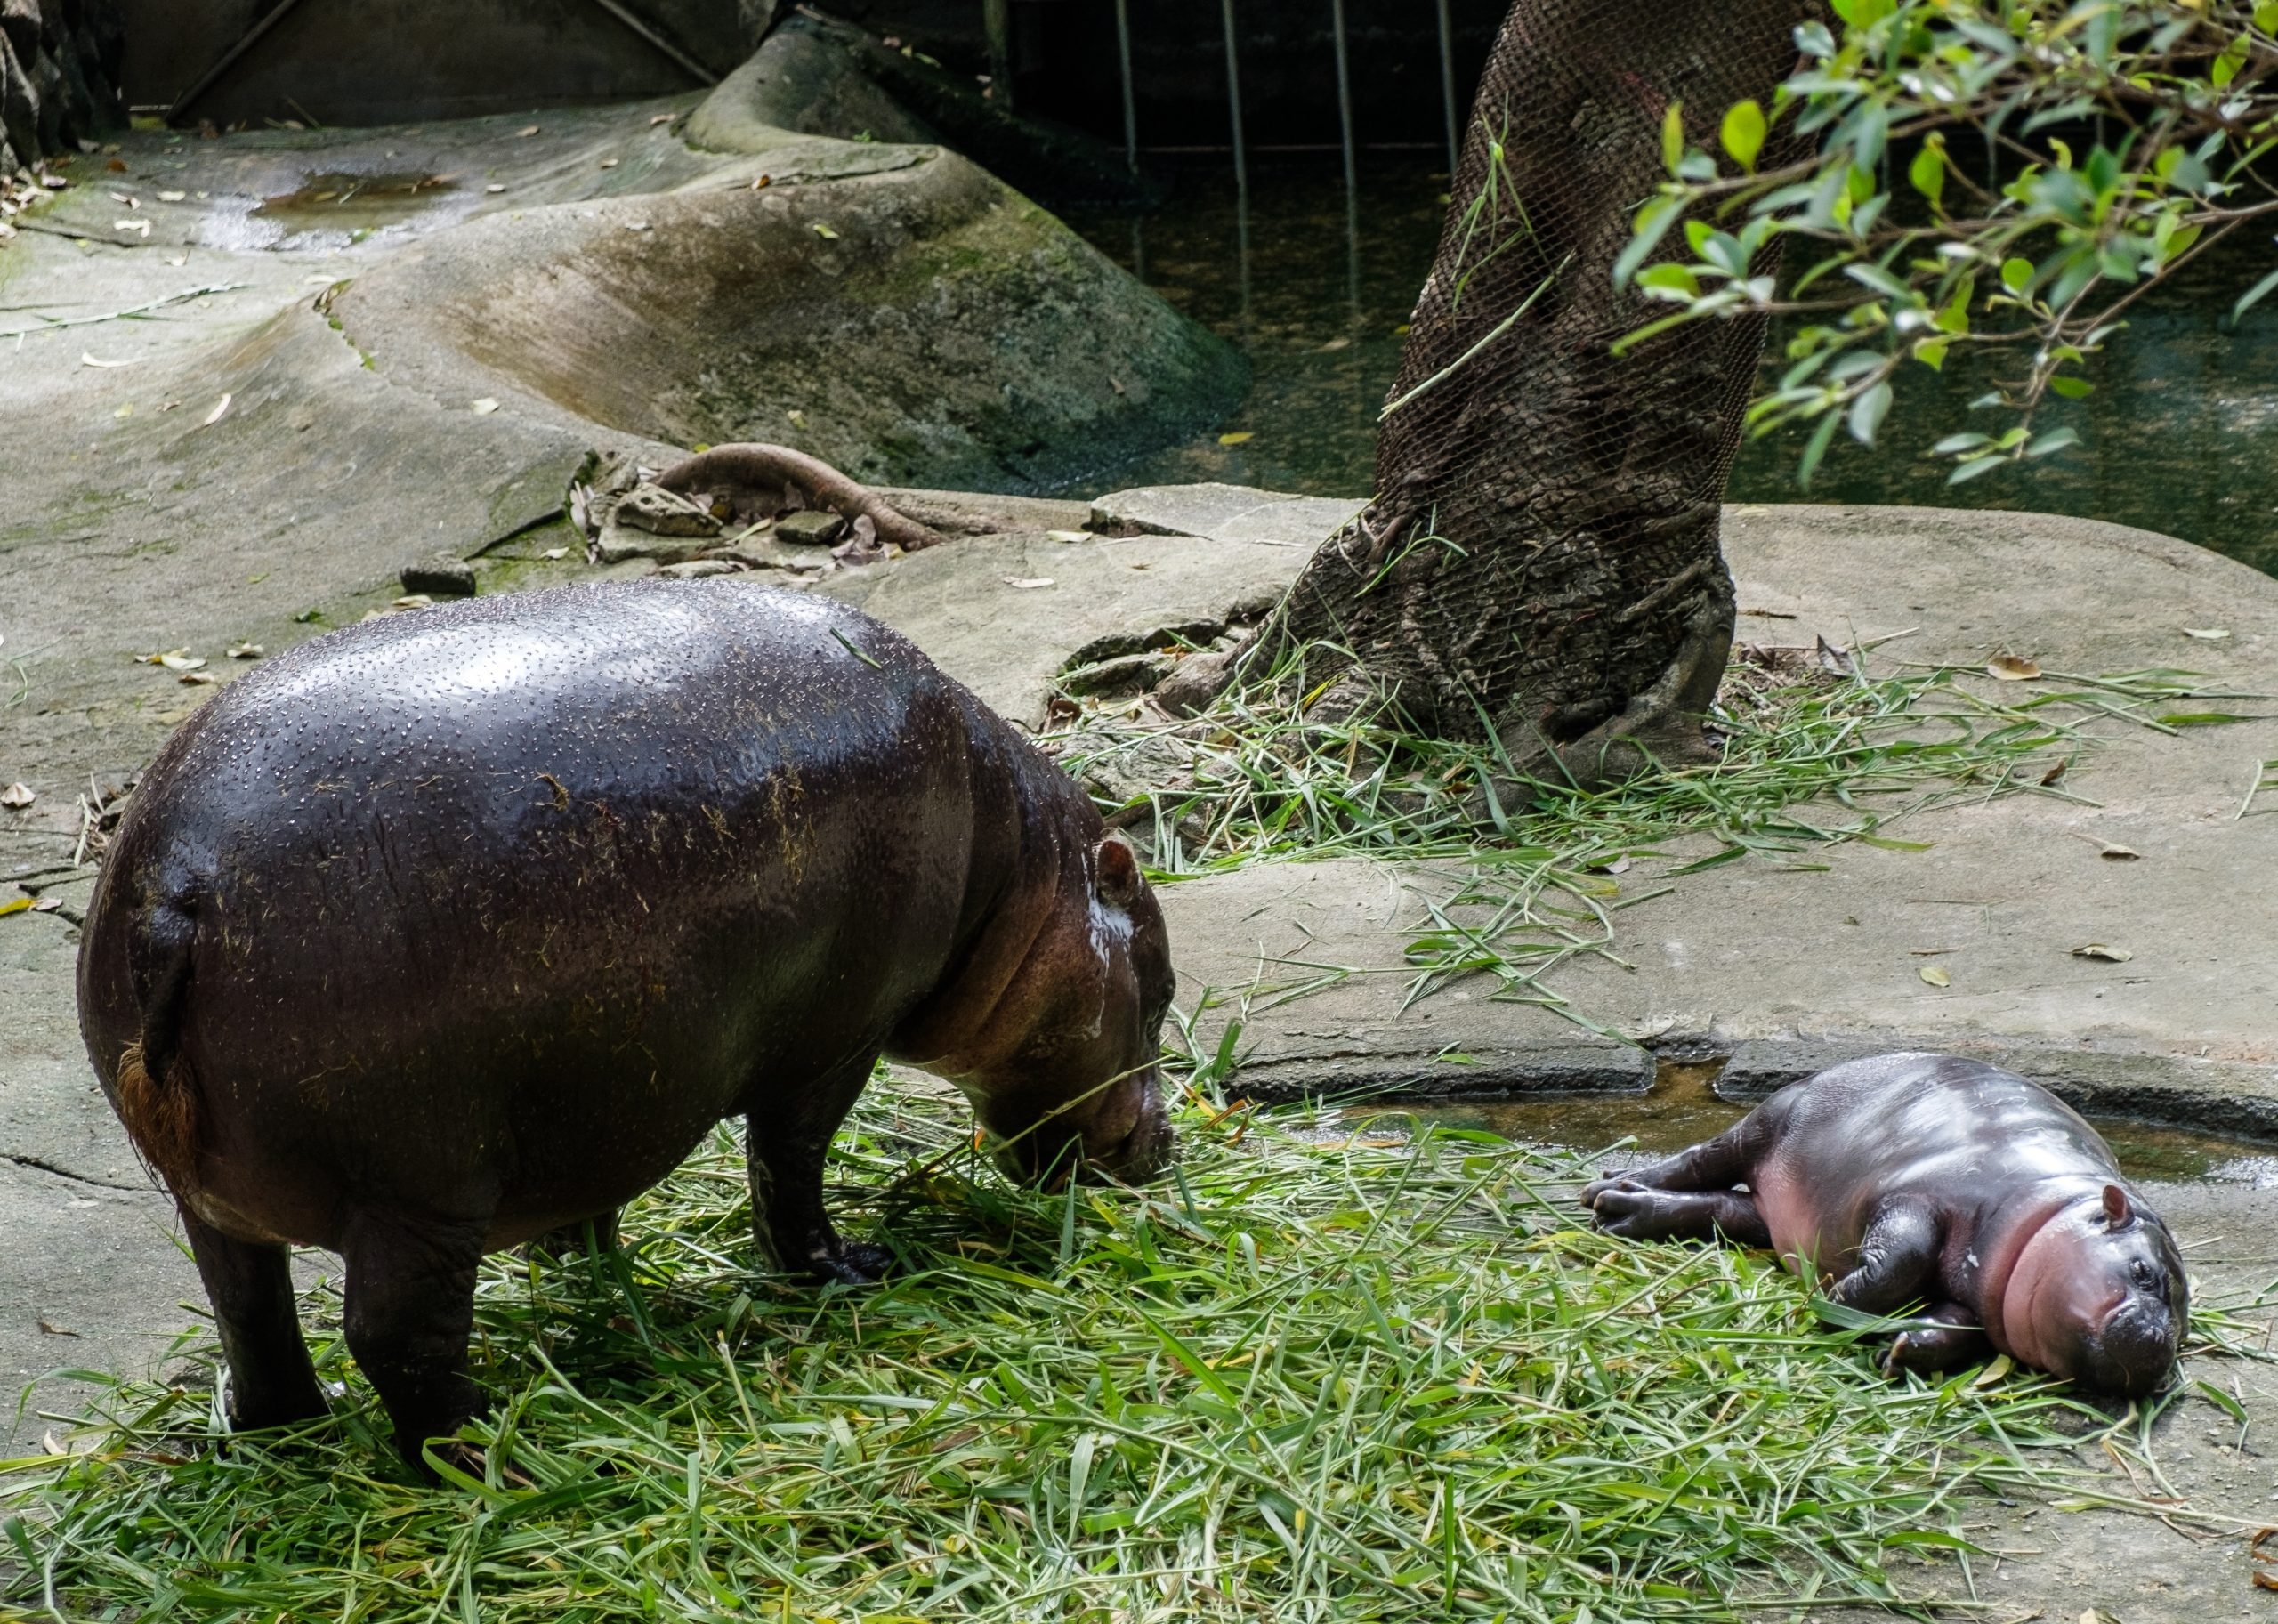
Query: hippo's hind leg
x=1642 y=1214
x=1686 y=1197
x=410 y=1310
x=785 y=1144
x=1954 y=1338
x=271 y=1382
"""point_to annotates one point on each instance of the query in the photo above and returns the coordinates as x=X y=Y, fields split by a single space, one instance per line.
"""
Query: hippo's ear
x=1120 y=882
x=2116 y=1208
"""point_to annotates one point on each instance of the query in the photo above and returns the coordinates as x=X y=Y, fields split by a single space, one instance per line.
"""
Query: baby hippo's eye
x=2140 y=1273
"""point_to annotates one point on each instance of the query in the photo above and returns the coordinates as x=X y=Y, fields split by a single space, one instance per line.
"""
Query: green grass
x=1315 y=1377
x=1517 y=878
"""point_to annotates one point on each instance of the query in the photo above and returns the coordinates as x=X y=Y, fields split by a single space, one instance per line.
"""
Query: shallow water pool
x=2181 y=435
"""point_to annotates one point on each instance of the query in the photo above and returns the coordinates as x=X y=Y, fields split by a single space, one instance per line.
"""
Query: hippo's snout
x=2131 y=1353
x=1146 y=1151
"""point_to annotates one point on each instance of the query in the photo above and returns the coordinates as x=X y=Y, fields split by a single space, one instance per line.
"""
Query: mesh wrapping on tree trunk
x=1541 y=558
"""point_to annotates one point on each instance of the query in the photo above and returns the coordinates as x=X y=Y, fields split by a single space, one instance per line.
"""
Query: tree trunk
x=1541 y=558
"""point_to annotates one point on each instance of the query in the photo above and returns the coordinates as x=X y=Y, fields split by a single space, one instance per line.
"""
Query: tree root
x=762 y=481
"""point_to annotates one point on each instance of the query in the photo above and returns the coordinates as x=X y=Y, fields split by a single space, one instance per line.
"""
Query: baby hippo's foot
x=1638 y=1212
x=853 y=1262
x=1622 y=1180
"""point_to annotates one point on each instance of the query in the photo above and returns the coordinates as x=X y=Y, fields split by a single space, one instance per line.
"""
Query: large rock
x=893 y=309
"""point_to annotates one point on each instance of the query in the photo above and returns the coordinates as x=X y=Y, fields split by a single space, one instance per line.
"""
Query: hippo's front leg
x=1897 y=1257
x=784 y=1150
x=1951 y=1338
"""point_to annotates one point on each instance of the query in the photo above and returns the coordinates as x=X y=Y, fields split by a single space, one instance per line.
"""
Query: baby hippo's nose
x=2133 y=1353
x=1145 y=1151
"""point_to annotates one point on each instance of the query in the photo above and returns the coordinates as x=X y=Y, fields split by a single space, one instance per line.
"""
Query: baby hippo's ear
x=2116 y=1209
x=1120 y=883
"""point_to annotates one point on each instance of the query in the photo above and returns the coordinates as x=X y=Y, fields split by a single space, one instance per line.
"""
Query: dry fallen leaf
x=528 y=130
x=798 y=419
x=553 y=553
x=47 y=1329
x=494 y=188
x=171 y=197
x=609 y=162
x=16 y=796
x=2097 y=949
x=1028 y=582
x=176 y=659
x=662 y=118
x=2012 y=668
x=15 y=905
x=1067 y=535
x=2119 y=854
x=1934 y=976
x=824 y=231
x=48 y=905
x=1239 y=437
x=220 y=408
x=485 y=406
x=197 y=679
x=2000 y=1367
x=86 y=359
x=142 y=228
x=2206 y=633
x=244 y=650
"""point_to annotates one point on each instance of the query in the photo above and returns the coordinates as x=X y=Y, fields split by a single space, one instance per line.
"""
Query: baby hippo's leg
x=1897 y=1257
x=1954 y=1340
x=1718 y=1164
x=1637 y=1213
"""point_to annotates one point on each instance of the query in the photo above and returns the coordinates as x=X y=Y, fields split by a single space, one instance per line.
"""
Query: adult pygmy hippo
x=1923 y=1178
x=451 y=929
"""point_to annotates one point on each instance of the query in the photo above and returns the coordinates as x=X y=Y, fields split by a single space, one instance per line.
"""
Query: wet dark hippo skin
x=448 y=930
x=1928 y=1179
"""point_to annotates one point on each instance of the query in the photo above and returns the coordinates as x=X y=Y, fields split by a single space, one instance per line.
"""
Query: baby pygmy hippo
x=1928 y=1179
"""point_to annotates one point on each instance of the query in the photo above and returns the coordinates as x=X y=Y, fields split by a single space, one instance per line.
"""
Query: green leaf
x=2016 y=274
x=2226 y=66
x=1928 y=173
x=2055 y=440
x=1653 y=222
x=1970 y=470
x=1955 y=318
x=1868 y=412
x=2203 y=718
x=1809 y=466
x=1670 y=277
x=2254 y=296
x=2265 y=16
x=2072 y=389
x=1953 y=445
x=1673 y=137
x=1932 y=353
x=1743 y=133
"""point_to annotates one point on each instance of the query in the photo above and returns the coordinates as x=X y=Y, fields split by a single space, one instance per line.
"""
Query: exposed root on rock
x=759 y=481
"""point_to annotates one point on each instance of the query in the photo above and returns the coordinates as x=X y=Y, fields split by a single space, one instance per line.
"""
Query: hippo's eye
x=2140 y=1273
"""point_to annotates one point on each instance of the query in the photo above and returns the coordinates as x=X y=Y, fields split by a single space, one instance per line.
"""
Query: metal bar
x=1130 y=94
x=230 y=58
x=997 y=22
x=1234 y=108
x=1448 y=86
x=1344 y=101
x=680 y=58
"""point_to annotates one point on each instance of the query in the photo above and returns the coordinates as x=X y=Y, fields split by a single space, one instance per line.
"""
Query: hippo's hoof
x=855 y=1263
x=1611 y=1181
x=1626 y=1210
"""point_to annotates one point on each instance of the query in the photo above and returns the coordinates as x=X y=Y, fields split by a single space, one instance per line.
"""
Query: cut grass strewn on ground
x=1308 y=1378
x=1513 y=879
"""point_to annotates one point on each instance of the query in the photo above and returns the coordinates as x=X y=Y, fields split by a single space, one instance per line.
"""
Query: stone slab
x=1786 y=969
x=1086 y=598
x=1225 y=512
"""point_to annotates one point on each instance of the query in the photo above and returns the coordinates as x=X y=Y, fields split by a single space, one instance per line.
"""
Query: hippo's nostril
x=2134 y=1352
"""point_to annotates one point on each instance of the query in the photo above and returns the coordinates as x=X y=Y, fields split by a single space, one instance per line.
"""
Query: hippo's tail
x=156 y=1091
